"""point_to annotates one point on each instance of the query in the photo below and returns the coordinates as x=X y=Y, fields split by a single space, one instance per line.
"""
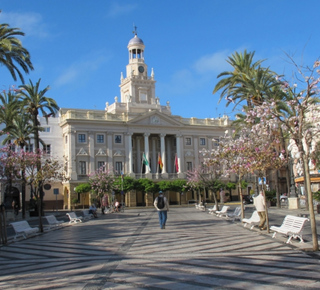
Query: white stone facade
x=134 y=126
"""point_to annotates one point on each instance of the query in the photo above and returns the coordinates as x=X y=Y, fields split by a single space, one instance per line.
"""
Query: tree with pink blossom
x=299 y=118
x=22 y=166
x=102 y=182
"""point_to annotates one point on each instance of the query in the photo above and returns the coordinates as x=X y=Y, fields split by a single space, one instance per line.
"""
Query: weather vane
x=135 y=29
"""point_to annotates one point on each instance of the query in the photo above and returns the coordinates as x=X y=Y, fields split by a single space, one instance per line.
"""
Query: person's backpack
x=160 y=204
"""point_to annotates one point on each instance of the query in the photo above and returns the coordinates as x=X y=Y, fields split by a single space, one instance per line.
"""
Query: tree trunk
x=241 y=197
x=277 y=189
x=307 y=183
x=265 y=202
x=23 y=196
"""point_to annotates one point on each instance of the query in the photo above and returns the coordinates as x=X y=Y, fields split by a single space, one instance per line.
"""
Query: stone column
x=72 y=163
x=178 y=140
x=163 y=153
x=146 y=149
x=180 y=156
x=91 y=152
x=210 y=143
x=154 y=156
x=128 y=147
x=109 y=151
x=138 y=155
x=169 y=167
x=196 y=152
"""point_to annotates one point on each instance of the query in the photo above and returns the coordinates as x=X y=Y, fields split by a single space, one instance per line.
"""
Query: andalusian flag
x=145 y=161
x=160 y=162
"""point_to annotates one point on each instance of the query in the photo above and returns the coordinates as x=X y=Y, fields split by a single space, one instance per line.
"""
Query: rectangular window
x=118 y=167
x=188 y=141
x=47 y=149
x=82 y=168
x=189 y=166
x=118 y=139
x=202 y=141
x=215 y=141
x=143 y=97
x=100 y=138
x=82 y=138
x=101 y=164
x=29 y=148
x=66 y=139
x=46 y=129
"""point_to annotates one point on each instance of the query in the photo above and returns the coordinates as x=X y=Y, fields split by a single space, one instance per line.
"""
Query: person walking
x=260 y=205
x=162 y=206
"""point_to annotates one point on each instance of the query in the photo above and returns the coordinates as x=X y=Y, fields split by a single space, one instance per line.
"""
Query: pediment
x=155 y=119
x=82 y=152
x=118 y=153
x=101 y=153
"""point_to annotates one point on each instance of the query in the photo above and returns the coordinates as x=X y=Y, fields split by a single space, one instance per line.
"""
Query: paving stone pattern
x=129 y=251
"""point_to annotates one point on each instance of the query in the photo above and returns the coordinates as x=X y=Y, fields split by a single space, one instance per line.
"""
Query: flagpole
x=142 y=163
x=158 y=164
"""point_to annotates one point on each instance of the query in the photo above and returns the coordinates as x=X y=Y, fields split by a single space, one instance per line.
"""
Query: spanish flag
x=176 y=163
x=160 y=161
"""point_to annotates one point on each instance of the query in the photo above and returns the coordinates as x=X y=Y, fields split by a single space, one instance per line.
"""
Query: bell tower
x=137 y=87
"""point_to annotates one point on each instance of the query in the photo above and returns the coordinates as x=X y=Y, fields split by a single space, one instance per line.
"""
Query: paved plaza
x=129 y=251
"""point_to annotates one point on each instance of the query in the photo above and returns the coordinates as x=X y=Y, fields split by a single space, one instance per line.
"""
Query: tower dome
x=135 y=40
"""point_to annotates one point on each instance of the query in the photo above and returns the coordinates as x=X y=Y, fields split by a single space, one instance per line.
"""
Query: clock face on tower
x=141 y=69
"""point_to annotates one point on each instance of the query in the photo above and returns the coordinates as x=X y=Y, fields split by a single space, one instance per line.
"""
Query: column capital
x=146 y=134
x=163 y=135
x=129 y=133
x=178 y=135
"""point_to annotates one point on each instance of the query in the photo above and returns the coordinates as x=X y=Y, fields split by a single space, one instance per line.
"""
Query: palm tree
x=20 y=134
x=12 y=54
x=35 y=102
x=243 y=68
x=9 y=109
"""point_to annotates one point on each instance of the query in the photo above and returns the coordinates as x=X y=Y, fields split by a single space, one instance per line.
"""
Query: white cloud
x=79 y=70
x=215 y=62
x=116 y=9
x=29 y=23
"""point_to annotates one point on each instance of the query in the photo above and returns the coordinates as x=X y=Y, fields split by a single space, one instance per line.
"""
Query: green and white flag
x=145 y=161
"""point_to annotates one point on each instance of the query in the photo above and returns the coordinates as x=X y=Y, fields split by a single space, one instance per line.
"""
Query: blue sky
x=79 y=47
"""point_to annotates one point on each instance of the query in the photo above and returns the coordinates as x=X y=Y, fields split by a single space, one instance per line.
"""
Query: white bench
x=22 y=228
x=292 y=226
x=87 y=215
x=74 y=218
x=212 y=210
x=53 y=222
x=253 y=220
x=223 y=211
x=236 y=214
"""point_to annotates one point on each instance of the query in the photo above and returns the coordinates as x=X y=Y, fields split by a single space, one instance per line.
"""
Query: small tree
x=83 y=188
x=102 y=181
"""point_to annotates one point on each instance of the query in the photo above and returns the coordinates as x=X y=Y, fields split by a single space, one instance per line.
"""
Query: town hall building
x=134 y=130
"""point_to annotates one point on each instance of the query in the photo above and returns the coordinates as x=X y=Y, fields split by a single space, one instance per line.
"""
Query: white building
x=133 y=126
